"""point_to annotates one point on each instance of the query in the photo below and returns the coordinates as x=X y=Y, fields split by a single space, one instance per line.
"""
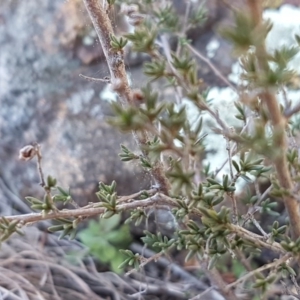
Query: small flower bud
x=27 y=153
x=137 y=96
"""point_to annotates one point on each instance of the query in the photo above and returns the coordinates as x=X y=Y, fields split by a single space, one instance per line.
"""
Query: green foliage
x=167 y=19
x=130 y=260
x=62 y=195
x=127 y=119
x=68 y=227
x=158 y=241
x=105 y=238
x=127 y=155
x=137 y=215
x=143 y=38
x=107 y=196
x=180 y=178
x=246 y=32
x=198 y=16
x=206 y=203
x=117 y=44
x=155 y=69
x=7 y=228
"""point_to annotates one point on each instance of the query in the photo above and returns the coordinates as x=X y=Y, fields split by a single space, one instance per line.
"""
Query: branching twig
x=145 y=261
x=88 y=212
x=256 y=239
x=279 y=136
x=105 y=79
x=165 y=263
x=218 y=281
x=119 y=80
x=273 y=264
x=212 y=66
x=130 y=198
x=257 y=225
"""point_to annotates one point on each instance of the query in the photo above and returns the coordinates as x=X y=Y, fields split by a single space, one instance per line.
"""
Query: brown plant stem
x=217 y=280
x=39 y=164
x=41 y=174
x=273 y=264
x=256 y=239
x=279 y=136
x=158 y=198
x=119 y=81
x=212 y=67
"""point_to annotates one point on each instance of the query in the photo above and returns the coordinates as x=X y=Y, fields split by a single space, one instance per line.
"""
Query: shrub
x=262 y=146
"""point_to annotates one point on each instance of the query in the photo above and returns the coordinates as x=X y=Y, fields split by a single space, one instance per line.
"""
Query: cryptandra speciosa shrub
x=207 y=223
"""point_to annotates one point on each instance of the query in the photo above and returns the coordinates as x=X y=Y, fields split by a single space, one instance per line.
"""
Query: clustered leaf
x=7 y=228
x=108 y=198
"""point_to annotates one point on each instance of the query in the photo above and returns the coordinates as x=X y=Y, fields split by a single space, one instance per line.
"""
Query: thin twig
x=217 y=280
x=39 y=164
x=232 y=194
x=265 y=194
x=215 y=114
x=296 y=285
x=199 y=296
x=131 y=198
x=145 y=261
x=279 y=124
x=212 y=66
x=119 y=81
x=273 y=264
x=289 y=112
x=105 y=79
x=244 y=261
x=41 y=175
x=234 y=207
x=257 y=225
x=229 y=157
x=256 y=239
x=287 y=102
x=185 y=25
x=88 y=212
x=176 y=269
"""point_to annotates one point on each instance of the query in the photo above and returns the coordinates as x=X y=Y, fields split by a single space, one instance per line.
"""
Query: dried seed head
x=27 y=153
x=137 y=96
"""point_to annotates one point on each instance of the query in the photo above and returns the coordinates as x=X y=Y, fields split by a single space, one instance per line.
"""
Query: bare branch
x=105 y=79
x=39 y=164
x=212 y=66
